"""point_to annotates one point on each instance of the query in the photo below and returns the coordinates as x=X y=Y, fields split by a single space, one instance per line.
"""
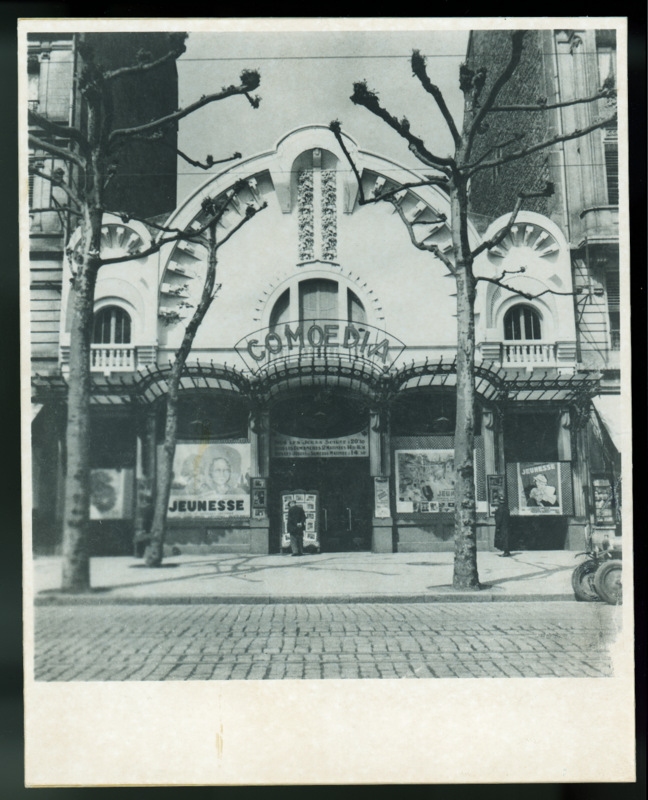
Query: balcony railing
x=112 y=358
x=526 y=354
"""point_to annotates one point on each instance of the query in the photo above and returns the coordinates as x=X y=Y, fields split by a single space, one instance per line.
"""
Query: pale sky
x=307 y=78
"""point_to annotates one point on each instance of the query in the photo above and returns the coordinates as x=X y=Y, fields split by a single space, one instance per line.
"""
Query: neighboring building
x=51 y=64
x=324 y=372
x=560 y=66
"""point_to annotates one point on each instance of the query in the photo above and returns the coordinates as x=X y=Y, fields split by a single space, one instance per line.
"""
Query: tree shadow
x=527 y=575
x=243 y=568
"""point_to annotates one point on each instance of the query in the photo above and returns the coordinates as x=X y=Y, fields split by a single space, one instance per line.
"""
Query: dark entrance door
x=345 y=497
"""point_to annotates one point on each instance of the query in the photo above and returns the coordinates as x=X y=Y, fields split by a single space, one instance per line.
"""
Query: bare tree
x=207 y=237
x=89 y=152
x=453 y=173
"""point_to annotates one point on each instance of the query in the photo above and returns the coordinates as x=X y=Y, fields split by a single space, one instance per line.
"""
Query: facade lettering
x=361 y=341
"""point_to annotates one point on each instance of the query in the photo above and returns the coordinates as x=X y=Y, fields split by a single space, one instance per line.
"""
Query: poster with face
x=210 y=480
x=539 y=489
x=111 y=493
x=425 y=481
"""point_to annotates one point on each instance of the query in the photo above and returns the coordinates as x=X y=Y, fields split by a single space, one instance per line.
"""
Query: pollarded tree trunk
x=155 y=549
x=76 y=555
x=465 y=562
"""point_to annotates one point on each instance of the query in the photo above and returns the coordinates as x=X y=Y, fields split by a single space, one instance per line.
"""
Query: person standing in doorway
x=502 y=527
x=296 y=523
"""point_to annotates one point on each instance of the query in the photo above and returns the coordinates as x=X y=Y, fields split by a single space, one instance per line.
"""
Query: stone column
x=492 y=449
x=382 y=527
x=571 y=447
x=375 y=444
x=259 y=435
x=564 y=437
x=489 y=433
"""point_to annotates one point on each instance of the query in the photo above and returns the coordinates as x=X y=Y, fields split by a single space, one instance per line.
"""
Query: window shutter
x=611 y=150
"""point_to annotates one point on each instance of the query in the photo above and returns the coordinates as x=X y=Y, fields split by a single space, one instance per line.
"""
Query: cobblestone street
x=312 y=641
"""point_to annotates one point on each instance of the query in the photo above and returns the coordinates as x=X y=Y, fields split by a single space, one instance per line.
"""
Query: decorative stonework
x=120 y=240
x=526 y=234
x=329 y=215
x=306 y=215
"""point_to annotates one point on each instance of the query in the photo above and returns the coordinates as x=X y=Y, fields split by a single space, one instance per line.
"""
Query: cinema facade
x=325 y=372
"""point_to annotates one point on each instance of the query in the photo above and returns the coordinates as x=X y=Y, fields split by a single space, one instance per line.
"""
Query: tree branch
x=62 y=131
x=503 y=233
x=576 y=134
x=403 y=186
x=498 y=146
x=209 y=161
x=520 y=292
x=388 y=196
x=249 y=82
x=419 y=69
x=144 y=66
x=56 y=210
x=364 y=97
x=517 y=39
x=58 y=152
x=57 y=181
x=336 y=129
x=250 y=211
x=182 y=234
x=216 y=211
x=602 y=94
x=430 y=248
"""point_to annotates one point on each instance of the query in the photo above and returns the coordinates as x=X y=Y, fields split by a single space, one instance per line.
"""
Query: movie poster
x=210 y=480
x=111 y=493
x=381 y=494
x=309 y=501
x=425 y=481
x=539 y=489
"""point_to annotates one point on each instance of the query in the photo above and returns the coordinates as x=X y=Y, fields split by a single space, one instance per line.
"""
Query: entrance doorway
x=344 y=487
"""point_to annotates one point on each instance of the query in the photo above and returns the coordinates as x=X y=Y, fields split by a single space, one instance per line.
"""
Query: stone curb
x=60 y=599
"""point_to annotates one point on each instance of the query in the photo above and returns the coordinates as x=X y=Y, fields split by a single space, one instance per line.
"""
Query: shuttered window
x=318 y=300
x=614 y=308
x=612 y=172
x=112 y=325
x=521 y=323
x=611 y=154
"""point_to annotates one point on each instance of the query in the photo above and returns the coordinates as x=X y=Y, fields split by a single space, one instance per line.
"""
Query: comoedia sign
x=322 y=337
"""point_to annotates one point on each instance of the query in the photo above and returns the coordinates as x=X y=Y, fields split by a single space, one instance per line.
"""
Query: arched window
x=112 y=325
x=522 y=323
x=356 y=312
x=281 y=310
x=317 y=299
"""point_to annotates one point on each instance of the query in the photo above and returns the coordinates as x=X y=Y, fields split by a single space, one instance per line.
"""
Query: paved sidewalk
x=323 y=578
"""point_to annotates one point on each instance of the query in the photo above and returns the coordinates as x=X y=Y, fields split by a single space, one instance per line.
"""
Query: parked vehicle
x=599 y=577
x=607 y=581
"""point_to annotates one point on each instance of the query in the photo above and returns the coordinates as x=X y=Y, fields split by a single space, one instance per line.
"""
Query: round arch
x=344 y=281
